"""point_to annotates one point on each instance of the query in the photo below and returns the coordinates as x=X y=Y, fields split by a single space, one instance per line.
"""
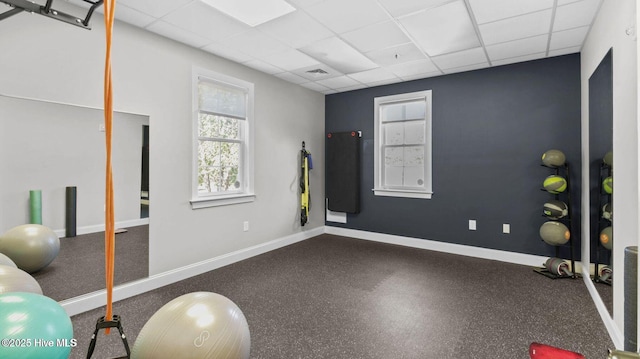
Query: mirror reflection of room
x=601 y=177
x=56 y=180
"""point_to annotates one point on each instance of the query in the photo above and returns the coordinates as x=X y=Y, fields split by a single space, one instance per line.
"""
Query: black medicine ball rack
x=603 y=199
x=565 y=173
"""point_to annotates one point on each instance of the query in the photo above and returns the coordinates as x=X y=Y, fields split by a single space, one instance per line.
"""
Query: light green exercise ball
x=199 y=325
x=555 y=184
x=30 y=246
x=607 y=185
x=16 y=280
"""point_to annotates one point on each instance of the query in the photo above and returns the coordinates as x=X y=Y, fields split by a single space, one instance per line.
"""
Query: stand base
x=548 y=274
x=103 y=324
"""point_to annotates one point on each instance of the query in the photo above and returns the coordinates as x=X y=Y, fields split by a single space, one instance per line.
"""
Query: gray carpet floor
x=79 y=267
x=337 y=297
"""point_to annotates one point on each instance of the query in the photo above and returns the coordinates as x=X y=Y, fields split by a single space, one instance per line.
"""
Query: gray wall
x=490 y=129
x=152 y=76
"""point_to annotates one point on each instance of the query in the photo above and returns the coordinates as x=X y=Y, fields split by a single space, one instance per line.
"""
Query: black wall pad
x=70 y=211
x=343 y=171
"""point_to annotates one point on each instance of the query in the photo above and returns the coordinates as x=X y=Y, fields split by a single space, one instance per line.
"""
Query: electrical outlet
x=101 y=127
x=472 y=224
x=245 y=226
x=506 y=228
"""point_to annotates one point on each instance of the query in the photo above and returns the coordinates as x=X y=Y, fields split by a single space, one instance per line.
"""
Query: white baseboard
x=616 y=336
x=470 y=251
x=98 y=299
x=100 y=227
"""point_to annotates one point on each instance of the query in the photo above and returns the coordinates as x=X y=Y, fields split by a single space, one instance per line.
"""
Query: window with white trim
x=402 y=133
x=223 y=140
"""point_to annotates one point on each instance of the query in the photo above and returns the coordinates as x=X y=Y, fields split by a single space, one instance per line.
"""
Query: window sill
x=217 y=201
x=402 y=193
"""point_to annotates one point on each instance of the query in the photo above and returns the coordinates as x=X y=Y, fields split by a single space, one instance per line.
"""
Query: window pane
x=394 y=156
x=413 y=156
x=413 y=176
x=393 y=133
x=213 y=126
x=414 y=132
x=415 y=110
x=218 y=166
x=221 y=99
x=394 y=112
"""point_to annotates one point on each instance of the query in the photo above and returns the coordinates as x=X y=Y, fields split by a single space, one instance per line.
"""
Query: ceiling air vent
x=317 y=72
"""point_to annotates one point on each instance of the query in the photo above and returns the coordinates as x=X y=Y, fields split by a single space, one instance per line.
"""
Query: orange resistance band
x=109 y=234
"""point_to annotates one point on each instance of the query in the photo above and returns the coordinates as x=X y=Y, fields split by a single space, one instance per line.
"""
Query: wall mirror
x=49 y=146
x=600 y=167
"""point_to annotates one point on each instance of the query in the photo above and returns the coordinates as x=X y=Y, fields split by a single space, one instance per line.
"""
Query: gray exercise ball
x=30 y=246
x=199 y=325
x=554 y=233
x=13 y=279
x=6 y=261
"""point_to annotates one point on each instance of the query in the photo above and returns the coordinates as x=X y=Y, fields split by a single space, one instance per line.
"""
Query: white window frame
x=379 y=189
x=246 y=192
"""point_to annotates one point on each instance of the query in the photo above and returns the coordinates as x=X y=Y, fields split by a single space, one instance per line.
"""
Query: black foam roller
x=631 y=298
x=70 y=212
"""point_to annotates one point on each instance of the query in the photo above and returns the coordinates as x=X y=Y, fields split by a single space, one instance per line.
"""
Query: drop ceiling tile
x=396 y=55
x=288 y=76
x=342 y=16
x=518 y=27
x=377 y=36
x=178 y=34
x=443 y=29
x=505 y=50
x=314 y=86
x=132 y=16
x=575 y=14
x=492 y=10
x=513 y=60
x=374 y=75
x=461 y=58
x=565 y=2
x=568 y=38
x=466 y=68
x=351 y=88
x=338 y=82
x=255 y=43
x=297 y=29
x=384 y=82
x=263 y=66
x=565 y=51
x=303 y=4
x=205 y=21
x=155 y=8
x=413 y=68
x=421 y=76
x=227 y=52
x=330 y=91
x=339 y=55
x=399 y=8
x=290 y=60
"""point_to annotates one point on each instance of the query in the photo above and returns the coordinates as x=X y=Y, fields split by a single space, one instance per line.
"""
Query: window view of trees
x=219 y=153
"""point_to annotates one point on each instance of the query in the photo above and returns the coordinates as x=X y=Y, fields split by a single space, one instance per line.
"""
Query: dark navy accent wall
x=490 y=129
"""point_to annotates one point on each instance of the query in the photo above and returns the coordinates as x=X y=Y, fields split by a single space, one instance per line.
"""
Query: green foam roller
x=35 y=207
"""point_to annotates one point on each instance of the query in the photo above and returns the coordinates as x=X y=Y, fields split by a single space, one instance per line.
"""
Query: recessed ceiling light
x=252 y=12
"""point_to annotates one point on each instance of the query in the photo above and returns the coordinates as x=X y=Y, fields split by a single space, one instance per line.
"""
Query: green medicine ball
x=555 y=184
x=607 y=185
x=607 y=211
x=606 y=238
x=555 y=209
x=553 y=158
x=554 y=233
x=608 y=159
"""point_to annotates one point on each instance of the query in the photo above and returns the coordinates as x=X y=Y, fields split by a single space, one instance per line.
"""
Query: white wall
x=46 y=59
x=610 y=31
x=49 y=146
